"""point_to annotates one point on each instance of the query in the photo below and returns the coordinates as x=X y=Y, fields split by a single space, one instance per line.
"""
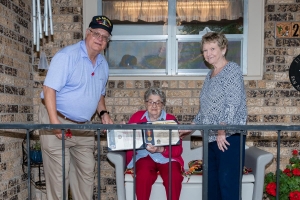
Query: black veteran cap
x=101 y=22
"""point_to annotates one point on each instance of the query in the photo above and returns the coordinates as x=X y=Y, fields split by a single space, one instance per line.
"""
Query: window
x=161 y=37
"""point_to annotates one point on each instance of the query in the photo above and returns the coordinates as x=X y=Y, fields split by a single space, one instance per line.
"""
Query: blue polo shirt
x=78 y=84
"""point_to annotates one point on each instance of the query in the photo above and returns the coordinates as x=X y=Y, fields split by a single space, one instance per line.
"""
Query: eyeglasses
x=152 y=103
x=99 y=35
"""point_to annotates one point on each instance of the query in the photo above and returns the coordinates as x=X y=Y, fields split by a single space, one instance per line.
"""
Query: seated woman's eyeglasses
x=152 y=103
x=99 y=35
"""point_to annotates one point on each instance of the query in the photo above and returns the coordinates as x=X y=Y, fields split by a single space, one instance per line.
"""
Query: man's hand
x=106 y=119
x=58 y=133
x=221 y=140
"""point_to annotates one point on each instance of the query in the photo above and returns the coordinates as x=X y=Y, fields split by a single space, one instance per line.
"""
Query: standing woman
x=155 y=159
x=223 y=102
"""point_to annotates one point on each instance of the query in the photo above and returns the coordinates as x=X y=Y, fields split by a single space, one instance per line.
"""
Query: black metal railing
x=99 y=127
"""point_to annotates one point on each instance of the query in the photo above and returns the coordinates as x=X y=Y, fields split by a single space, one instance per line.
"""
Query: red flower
x=68 y=133
x=271 y=189
x=295 y=195
x=296 y=172
x=287 y=172
x=295 y=152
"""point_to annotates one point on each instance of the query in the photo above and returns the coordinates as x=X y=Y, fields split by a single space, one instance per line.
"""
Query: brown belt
x=64 y=117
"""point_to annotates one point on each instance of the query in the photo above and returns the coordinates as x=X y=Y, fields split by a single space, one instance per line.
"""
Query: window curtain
x=203 y=11
x=145 y=10
x=187 y=10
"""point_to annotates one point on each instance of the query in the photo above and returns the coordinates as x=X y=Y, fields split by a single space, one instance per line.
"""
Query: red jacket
x=176 y=149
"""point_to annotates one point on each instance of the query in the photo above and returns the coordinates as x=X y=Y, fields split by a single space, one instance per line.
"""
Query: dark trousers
x=224 y=169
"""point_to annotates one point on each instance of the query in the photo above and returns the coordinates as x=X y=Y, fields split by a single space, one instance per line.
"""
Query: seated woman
x=155 y=159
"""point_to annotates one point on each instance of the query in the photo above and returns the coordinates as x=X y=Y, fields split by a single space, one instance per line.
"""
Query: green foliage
x=229 y=28
x=36 y=146
x=289 y=181
x=232 y=29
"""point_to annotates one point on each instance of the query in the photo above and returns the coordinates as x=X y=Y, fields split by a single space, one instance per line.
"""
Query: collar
x=83 y=49
x=162 y=116
x=84 y=53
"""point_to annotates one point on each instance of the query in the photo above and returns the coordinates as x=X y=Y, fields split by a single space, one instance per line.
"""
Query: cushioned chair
x=252 y=183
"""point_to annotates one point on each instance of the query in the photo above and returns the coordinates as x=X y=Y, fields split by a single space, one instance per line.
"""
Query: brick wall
x=16 y=91
x=272 y=100
x=280 y=100
x=15 y=62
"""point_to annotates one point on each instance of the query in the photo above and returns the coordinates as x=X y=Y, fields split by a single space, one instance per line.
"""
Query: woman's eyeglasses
x=99 y=35
x=152 y=103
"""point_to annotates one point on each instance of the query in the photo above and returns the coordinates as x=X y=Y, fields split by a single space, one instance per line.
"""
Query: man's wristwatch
x=103 y=112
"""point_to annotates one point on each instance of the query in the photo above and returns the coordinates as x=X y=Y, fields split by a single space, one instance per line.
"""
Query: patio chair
x=252 y=183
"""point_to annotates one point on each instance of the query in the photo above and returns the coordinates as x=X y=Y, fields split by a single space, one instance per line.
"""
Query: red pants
x=146 y=175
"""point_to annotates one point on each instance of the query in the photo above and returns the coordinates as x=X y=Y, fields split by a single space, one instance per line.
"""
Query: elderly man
x=74 y=89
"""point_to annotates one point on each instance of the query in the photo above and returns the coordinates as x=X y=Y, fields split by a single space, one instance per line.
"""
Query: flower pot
x=36 y=156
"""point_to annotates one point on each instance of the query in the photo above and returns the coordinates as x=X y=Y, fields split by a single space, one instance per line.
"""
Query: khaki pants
x=79 y=161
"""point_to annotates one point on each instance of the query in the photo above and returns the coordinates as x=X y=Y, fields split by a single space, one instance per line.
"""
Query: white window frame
x=254 y=44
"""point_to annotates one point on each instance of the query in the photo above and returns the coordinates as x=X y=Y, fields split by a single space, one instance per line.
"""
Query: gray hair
x=155 y=91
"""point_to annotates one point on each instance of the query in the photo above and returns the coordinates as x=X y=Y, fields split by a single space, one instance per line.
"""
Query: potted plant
x=289 y=180
x=36 y=153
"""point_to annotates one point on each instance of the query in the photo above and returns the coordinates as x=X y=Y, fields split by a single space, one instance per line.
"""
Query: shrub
x=289 y=180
